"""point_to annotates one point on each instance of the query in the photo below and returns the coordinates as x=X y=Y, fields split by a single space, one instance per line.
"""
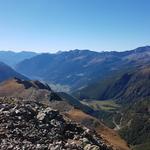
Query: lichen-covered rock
x=27 y=125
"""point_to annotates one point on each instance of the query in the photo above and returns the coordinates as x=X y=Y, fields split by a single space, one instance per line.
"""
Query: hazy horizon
x=51 y=26
x=53 y=52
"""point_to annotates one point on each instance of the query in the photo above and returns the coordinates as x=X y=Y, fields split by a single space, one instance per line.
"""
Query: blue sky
x=52 y=25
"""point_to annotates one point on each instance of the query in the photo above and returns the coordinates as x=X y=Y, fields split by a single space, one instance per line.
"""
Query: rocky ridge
x=29 y=125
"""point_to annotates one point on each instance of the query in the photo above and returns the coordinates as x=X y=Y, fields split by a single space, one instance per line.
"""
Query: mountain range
x=12 y=58
x=108 y=92
x=78 y=68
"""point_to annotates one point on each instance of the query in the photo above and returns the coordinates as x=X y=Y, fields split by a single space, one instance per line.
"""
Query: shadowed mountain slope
x=126 y=88
x=132 y=91
x=7 y=72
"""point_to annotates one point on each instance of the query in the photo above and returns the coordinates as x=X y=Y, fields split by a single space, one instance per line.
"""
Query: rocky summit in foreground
x=28 y=125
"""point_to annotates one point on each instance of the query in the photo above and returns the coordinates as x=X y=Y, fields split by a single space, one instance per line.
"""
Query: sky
x=53 y=25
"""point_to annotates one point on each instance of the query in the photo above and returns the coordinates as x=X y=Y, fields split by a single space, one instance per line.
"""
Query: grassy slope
x=108 y=134
x=145 y=146
x=135 y=124
x=107 y=105
x=107 y=110
x=132 y=88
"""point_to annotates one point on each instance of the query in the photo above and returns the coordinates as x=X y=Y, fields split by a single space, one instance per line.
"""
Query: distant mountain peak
x=12 y=58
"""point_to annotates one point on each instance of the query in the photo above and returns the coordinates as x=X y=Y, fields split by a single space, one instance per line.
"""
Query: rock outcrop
x=29 y=125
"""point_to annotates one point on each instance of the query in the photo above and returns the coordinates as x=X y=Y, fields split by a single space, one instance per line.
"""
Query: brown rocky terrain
x=34 y=92
x=30 y=125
